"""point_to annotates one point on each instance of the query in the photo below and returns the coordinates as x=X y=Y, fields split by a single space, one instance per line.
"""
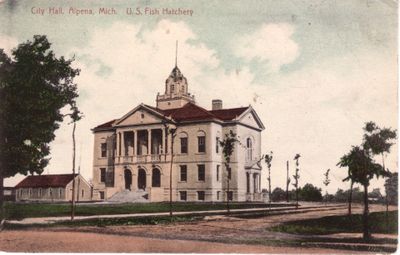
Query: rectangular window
x=184 y=145
x=217 y=145
x=101 y=194
x=229 y=173
x=230 y=195
x=201 y=175
x=83 y=193
x=218 y=195
x=217 y=173
x=183 y=173
x=200 y=195
x=103 y=150
x=183 y=195
x=102 y=175
x=201 y=143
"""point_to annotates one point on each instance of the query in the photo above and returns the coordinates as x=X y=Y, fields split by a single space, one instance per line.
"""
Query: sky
x=315 y=71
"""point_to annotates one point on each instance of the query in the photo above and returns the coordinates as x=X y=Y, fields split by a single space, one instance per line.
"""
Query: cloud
x=271 y=45
x=317 y=110
x=7 y=43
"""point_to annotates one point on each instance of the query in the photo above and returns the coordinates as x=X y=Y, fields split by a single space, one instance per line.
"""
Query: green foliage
x=228 y=146
x=343 y=196
x=391 y=188
x=378 y=140
x=339 y=224
x=278 y=194
x=310 y=193
x=20 y=211
x=361 y=167
x=35 y=86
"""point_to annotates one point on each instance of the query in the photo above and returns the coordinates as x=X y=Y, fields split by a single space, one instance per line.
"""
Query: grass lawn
x=341 y=224
x=20 y=211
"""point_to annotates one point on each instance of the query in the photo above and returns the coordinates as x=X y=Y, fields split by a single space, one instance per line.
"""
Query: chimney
x=216 y=104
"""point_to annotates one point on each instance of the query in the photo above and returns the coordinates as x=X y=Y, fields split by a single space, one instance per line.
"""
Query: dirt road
x=214 y=234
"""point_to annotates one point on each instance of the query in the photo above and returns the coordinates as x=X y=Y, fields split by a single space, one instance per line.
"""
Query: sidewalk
x=273 y=211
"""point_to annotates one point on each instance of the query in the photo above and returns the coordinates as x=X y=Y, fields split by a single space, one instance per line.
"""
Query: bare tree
x=268 y=160
x=296 y=178
x=326 y=183
x=172 y=131
x=228 y=146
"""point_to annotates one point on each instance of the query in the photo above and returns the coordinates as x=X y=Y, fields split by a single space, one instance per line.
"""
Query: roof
x=229 y=114
x=46 y=181
x=106 y=125
x=189 y=112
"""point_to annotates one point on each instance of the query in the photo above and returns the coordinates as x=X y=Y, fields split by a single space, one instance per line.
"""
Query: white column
x=148 y=141
x=135 y=143
x=122 y=144
x=163 y=140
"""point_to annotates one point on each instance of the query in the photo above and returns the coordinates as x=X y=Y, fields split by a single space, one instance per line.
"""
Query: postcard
x=199 y=126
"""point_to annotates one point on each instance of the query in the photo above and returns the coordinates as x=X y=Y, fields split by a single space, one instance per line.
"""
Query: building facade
x=134 y=152
x=53 y=188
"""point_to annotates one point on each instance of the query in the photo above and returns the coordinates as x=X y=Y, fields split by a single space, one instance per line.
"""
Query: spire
x=176 y=54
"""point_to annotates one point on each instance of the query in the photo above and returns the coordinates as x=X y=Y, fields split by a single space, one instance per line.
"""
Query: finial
x=176 y=54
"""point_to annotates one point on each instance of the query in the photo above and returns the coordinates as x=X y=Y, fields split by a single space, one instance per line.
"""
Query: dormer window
x=172 y=88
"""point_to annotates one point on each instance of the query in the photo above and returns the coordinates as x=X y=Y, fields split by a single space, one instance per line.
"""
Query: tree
x=278 y=194
x=296 y=179
x=35 y=86
x=310 y=193
x=228 y=146
x=378 y=141
x=170 y=129
x=362 y=168
x=391 y=188
x=268 y=160
x=76 y=115
x=326 y=183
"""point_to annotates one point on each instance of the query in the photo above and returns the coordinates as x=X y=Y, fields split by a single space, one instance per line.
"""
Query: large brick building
x=134 y=152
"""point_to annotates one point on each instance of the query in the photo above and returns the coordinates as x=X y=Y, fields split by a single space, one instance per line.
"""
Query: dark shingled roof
x=108 y=124
x=46 y=181
x=229 y=114
x=190 y=112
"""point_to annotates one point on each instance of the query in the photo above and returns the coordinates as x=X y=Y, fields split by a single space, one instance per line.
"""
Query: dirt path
x=45 y=241
x=214 y=234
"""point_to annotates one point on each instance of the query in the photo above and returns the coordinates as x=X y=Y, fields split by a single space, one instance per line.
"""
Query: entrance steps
x=127 y=196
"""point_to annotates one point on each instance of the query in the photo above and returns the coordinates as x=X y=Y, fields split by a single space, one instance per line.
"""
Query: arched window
x=201 y=141
x=249 y=149
x=184 y=142
x=156 y=178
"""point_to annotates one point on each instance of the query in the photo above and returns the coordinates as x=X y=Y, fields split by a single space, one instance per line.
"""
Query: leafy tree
x=35 y=88
x=310 y=193
x=362 y=169
x=391 y=188
x=378 y=141
x=278 y=194
x=228 y=146
x=326 y=183
x=296 y=179
x=268 y=160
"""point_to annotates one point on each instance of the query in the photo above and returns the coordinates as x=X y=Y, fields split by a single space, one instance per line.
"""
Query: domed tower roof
x=176 y=89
